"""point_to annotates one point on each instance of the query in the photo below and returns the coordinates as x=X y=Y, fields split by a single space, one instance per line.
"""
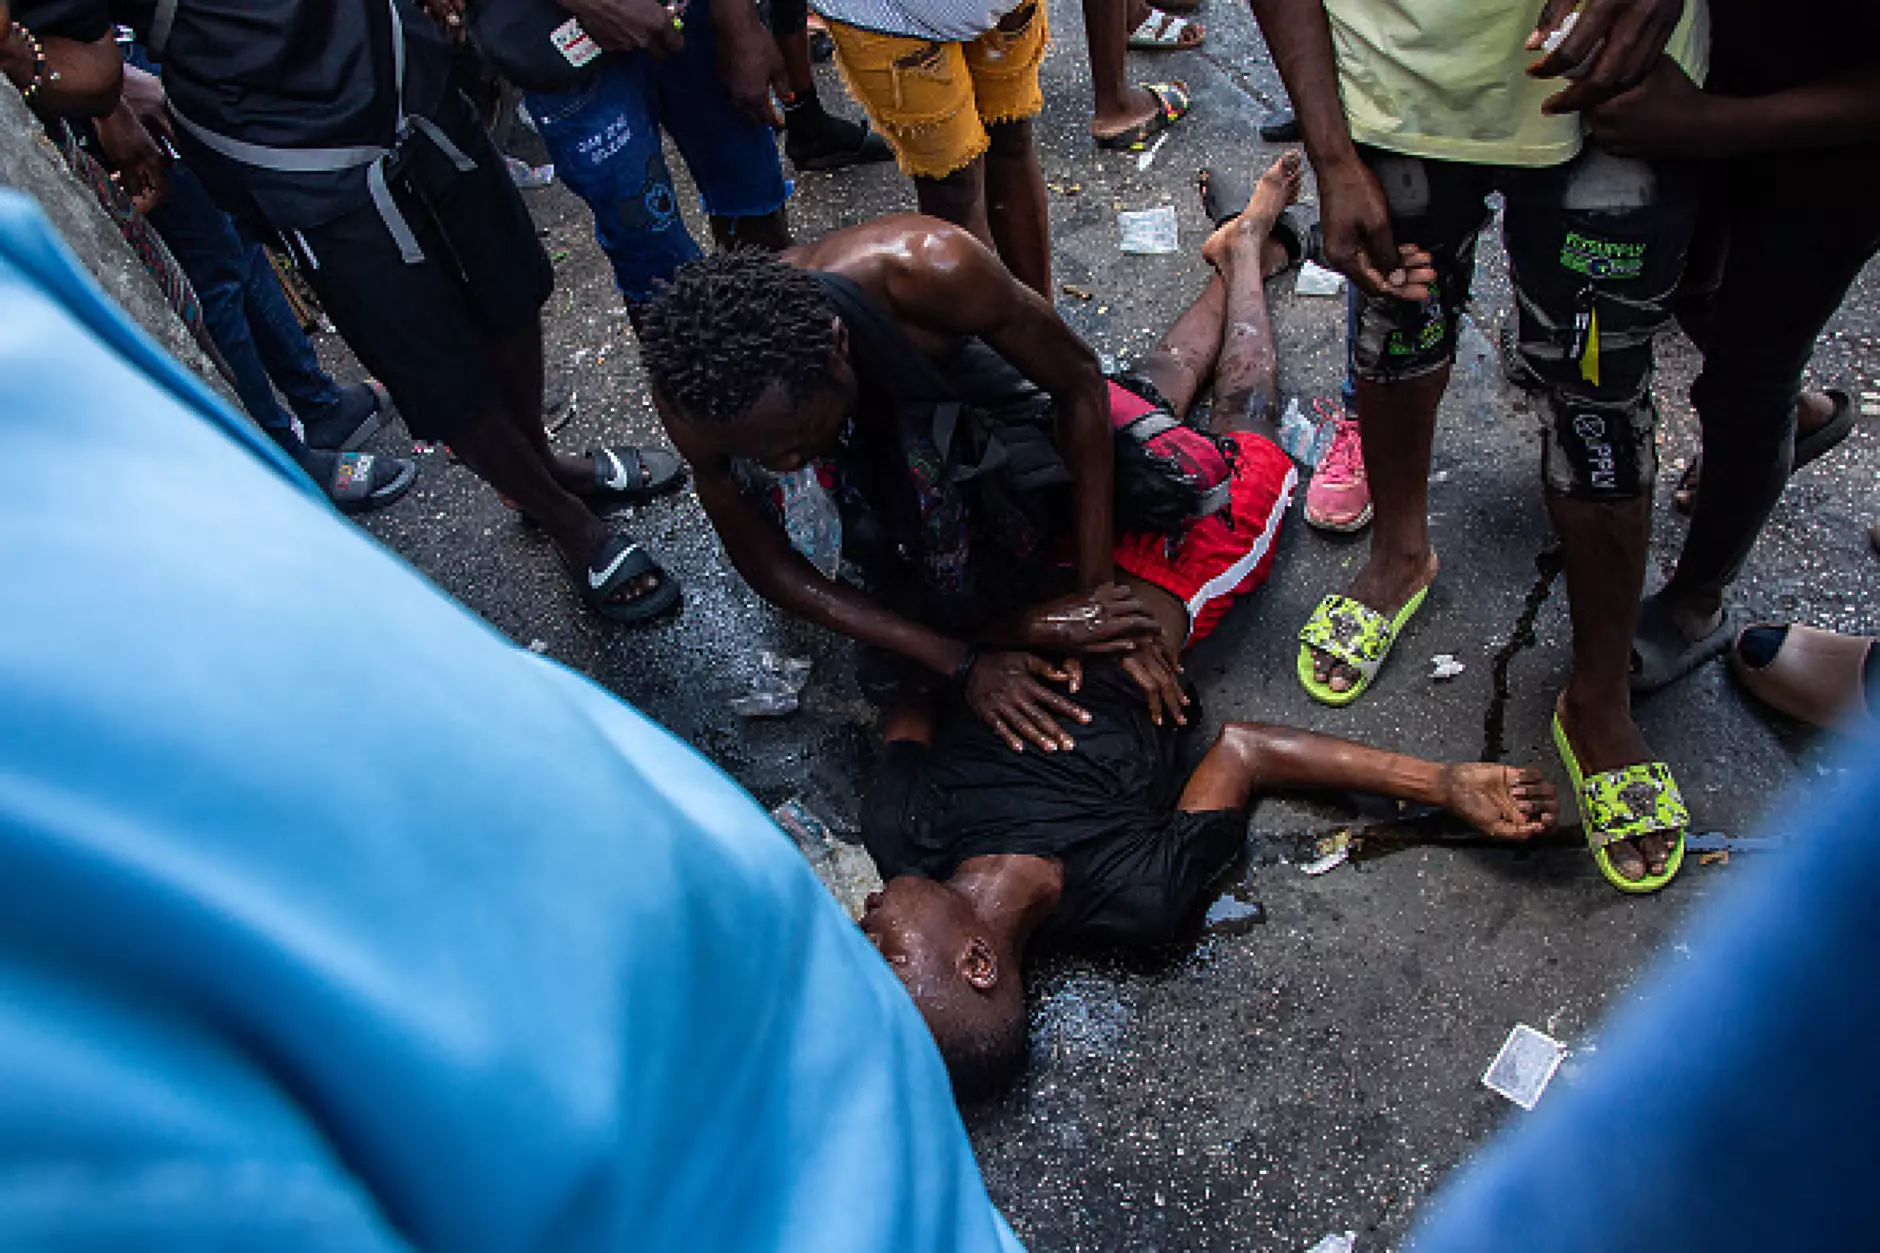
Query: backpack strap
x=883 y=353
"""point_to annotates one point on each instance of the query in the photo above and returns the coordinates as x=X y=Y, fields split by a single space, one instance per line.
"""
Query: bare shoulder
x=931 y=275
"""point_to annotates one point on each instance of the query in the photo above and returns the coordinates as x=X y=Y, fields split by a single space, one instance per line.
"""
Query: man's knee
x=1601 y=449
x=1394 y=341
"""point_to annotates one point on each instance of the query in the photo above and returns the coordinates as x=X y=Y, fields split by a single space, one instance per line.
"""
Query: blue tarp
x=330 y=919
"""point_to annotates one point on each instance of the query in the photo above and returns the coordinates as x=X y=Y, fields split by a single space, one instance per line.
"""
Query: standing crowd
x=1028 y=545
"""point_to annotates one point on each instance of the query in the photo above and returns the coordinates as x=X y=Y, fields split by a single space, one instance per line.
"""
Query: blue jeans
x=605 y=142
x=245 y=310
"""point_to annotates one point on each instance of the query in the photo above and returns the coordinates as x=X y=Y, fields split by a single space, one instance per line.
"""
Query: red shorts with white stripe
x=1227 y=554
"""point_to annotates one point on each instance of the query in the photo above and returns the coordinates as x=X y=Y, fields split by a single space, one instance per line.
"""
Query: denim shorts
x=605 y=141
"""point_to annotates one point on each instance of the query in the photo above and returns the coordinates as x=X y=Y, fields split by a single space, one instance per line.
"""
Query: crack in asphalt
x=1547 y=568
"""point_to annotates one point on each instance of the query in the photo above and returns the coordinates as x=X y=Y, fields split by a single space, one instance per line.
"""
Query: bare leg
x=1246 y=377
x=508 y=449
x=796 y=61
x=1605 y=544
x=959 y=198
x=771 y=232
x=1118 y=105
x=1015 y=205
x=516 y=360
x=1398 y=423
x=1204 y=341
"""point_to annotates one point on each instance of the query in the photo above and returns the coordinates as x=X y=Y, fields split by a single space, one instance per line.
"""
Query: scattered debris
x=422 y=449
x=1081 y=293
x=538 y=646
x=1445 y=666
x=1066 y=189
x=1315 y=280
x=1333 y=851
x=1721 y=857
x=1336 y=1242
x=1304 y=439
x=1525 y=1065
x=528 y=177
x=1149 y=232
x=1147 y=159
x=845 y=869
x=776 y=689
x=1717 y=842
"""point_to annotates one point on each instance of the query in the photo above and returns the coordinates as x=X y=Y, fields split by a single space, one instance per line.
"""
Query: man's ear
x=840 y=352
x=979 y=965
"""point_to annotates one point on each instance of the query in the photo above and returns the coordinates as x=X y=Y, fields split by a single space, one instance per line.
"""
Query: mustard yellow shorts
x=932 y=101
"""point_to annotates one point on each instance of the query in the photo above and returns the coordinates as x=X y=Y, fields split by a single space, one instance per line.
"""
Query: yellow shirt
x=1447 y=78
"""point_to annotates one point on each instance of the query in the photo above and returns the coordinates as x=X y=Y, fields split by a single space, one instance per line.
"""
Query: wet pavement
x=1312 y=1065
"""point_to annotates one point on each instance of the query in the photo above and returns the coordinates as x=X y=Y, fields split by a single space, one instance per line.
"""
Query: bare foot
x=1501 y=802
x=1277 y=188
x=1604 y=737
x=1384 y=585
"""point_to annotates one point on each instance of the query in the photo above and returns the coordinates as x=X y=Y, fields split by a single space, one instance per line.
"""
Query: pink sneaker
x=1339 y=497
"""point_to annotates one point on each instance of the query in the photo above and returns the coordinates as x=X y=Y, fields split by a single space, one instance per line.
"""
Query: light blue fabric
x=1734 y=1109
x=331 y=920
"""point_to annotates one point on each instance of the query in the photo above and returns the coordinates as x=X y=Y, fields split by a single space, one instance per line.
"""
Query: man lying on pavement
x=985 y=850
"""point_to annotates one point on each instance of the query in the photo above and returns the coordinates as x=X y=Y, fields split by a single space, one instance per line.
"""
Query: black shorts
x=1595 y=249
x=424 y=329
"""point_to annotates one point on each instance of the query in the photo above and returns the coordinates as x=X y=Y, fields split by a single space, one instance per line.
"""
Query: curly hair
x=728 y=326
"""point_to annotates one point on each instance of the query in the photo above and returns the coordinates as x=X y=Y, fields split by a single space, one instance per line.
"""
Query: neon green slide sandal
x=1355 y=634
x=1623 y=804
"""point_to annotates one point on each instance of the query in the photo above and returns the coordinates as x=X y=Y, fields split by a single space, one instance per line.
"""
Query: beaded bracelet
x=39 y=62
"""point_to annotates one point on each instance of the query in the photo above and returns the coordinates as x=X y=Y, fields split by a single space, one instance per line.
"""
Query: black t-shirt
x=280 y=73
x=1135 y=868
x=1759 y=46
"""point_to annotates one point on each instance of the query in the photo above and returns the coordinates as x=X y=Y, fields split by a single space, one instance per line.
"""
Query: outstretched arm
x=1016 y=693
x=1250 y=757
x=951 y=284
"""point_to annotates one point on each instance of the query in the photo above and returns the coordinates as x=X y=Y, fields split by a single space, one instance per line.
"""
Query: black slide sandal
x=1809 y=447
x=620 y=561
x=625 y=475
x=1661 y=655
x=359 y=482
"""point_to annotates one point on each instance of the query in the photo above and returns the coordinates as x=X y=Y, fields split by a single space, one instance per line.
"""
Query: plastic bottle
x=811 y=520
